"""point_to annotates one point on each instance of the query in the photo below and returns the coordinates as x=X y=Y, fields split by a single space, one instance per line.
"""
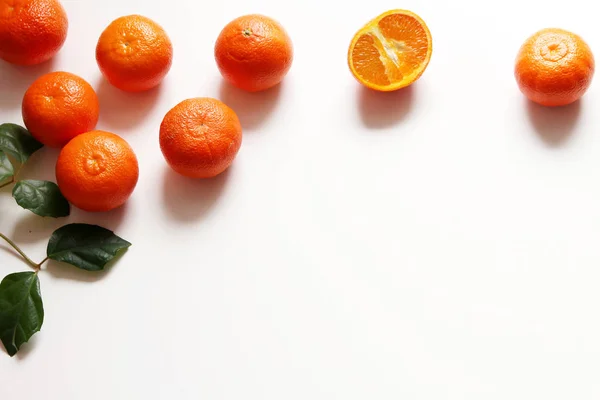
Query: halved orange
x=391 y=51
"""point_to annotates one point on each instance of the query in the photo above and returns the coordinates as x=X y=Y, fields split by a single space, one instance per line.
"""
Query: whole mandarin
x=200 y=137
x=134 y=53
x=554 y=67
x=254 y=52
x=59 y=106
x=31 y=31
x=97 y=171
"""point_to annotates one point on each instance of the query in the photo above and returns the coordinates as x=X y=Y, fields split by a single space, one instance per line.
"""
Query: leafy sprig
x=87 y=247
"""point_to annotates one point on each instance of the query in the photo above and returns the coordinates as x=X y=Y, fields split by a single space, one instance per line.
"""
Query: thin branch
x=11 y=181
x=39 y=265
x=29 y=261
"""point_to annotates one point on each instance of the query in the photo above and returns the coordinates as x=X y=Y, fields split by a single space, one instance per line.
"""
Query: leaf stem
x=28 y=260
x=12 y=180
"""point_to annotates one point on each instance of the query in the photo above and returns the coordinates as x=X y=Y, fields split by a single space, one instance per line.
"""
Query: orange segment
x=390 y=52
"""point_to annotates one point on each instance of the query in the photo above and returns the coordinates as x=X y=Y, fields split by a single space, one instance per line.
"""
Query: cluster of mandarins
x=199 y=137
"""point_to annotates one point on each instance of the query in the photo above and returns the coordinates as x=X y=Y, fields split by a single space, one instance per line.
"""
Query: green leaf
x=88 y=247
x=16 y=141
x=21 y=309
x=42 y=198
x=6 y=168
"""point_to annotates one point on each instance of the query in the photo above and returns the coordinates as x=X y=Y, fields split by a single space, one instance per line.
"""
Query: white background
x=436 y=243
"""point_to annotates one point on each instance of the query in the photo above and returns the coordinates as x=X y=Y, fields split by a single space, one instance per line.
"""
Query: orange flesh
x=391 y=51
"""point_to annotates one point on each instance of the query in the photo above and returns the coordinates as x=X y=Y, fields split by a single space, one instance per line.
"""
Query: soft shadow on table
x=124 y=110
x=15 y=79
x=66 y=271
x=187 y=199
x=379 y=110
x=108 y=219
x=252 y=108
x=26 y=348
x=41 y=165
x=10 y=251
x=554 y=125
x=33 y=228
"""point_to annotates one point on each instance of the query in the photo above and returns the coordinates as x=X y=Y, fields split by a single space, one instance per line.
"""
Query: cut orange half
x=390 y=52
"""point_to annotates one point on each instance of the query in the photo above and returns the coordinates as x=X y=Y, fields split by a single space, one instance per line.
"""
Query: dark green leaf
x=85 y=246
x=17 y=142
x=21 y=309
x=42 y=198
x=6 y=168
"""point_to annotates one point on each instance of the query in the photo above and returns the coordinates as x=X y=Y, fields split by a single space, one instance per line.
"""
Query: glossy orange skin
x=59 y=106
x=554 y=67
x=134 y=53
x=31 y=31
x=200 y=137
x=97 y=171
x=254 y=52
